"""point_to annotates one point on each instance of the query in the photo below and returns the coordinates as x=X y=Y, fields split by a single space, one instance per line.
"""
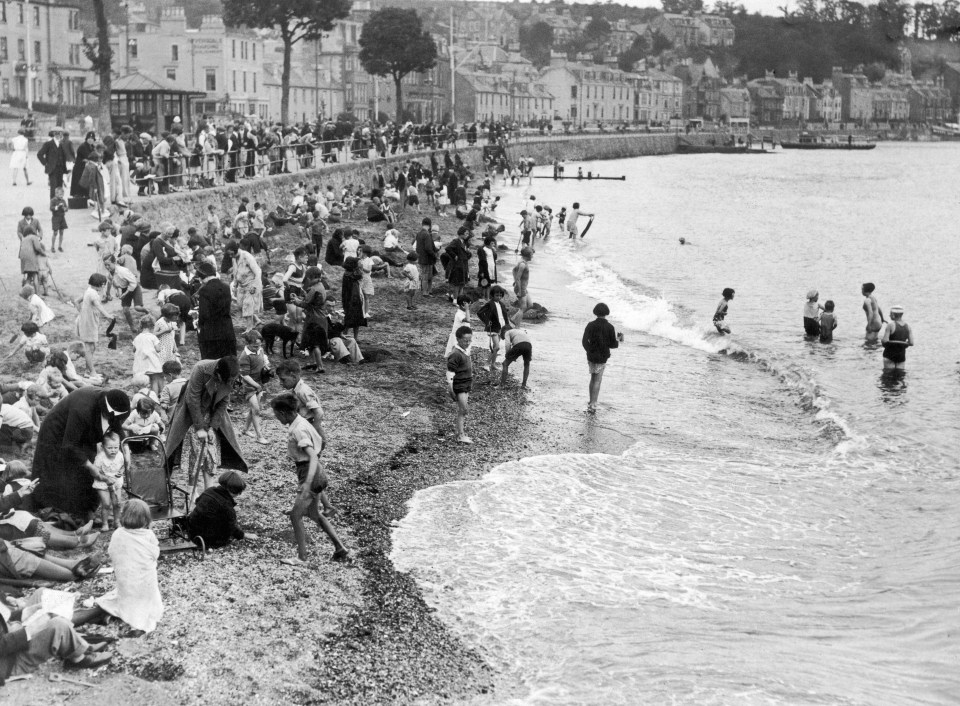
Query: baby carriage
x=146 y=478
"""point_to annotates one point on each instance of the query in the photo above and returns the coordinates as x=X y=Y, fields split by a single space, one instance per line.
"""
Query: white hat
x=176 y=119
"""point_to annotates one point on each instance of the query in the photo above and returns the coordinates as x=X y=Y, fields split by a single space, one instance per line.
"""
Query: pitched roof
x=138 y=82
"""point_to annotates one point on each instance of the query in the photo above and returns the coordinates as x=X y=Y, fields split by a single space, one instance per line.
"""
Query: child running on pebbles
x=304 y=445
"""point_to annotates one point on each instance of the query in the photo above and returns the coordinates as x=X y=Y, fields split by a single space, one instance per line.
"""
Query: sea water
x=779 y=523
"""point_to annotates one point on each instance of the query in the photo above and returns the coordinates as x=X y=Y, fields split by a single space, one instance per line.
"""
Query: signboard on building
x=207 y=46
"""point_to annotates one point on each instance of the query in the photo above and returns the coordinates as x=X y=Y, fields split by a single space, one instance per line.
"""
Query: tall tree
x=394 y=43
x=682 y=7
x=100 y=56
x=295 y=20
x=536 y=41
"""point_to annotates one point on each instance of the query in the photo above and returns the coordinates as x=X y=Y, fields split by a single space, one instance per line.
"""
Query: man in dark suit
x=426 y=256
x=54 y=155
x=216 y=336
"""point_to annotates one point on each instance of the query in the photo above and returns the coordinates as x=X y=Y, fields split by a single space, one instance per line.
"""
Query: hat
x=176 y=119
x=434 y=229
x=116 y=403
x=813 y=294
x=896 y=309
x=205 y=269
x=57 y=128
x=145 y=136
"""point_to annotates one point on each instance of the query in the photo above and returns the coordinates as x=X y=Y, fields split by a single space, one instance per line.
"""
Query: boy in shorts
x=304 y=445
x=517 y=345
x=460 y=379
x=308 y=407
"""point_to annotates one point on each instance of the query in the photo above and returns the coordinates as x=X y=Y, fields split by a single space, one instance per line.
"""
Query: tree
x=394 y=43
x=597 y=29
x=294 y=20
x=536 y=41
x=682 y=7
x=661 y=43
x=875 y=71
x=100 y=56
x=636 y=52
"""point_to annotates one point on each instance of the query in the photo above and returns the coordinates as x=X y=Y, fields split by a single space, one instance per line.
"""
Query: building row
x=41 y=52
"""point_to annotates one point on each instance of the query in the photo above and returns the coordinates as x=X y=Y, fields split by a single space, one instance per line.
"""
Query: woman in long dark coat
x=83 y=152
x=201 y=427
x=459 y=262
x=352 y=296
x=216 y=337
x=67 y=445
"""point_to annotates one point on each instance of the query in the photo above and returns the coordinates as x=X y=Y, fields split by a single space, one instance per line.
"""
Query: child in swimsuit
x=721 y=313
x=828 y=322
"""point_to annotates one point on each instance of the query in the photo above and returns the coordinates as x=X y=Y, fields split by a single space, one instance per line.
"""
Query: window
x=20 y=13
x=353 y=34
x=211 y=79
x=5 y=90
x=254 y=83
x=21 y=50
x=573 y=112
x=37 y=56
x=3 y=15
x=75 y=54
x=244 y=81
x=36 y=16
x=132 y=48
x=172 y=74
x=3 y=49
x=234 y=78
x=174 y=53
x=573 y=91
x=233 y=48
x=254 y=45
x=74 y=21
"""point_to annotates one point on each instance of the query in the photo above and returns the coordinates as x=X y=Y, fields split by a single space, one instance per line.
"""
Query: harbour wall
x=187 y=208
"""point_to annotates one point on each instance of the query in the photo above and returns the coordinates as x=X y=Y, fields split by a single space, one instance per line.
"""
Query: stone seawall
x=190 y=207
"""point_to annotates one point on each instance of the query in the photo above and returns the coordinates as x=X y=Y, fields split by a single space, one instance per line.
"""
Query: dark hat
x=115 y=403
x=205 y=269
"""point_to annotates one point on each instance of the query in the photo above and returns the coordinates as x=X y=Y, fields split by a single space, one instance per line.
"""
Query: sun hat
x=813 y=293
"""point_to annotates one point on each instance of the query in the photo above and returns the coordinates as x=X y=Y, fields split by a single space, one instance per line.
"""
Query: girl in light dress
x=147 y=359
x=166 y=330
x=461 y=318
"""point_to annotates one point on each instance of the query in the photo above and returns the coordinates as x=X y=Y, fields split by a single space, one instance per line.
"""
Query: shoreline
x=374 y=639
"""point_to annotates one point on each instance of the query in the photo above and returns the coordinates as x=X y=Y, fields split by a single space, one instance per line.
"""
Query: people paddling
x=721 y=313
x=811 y=314
x=598 y=338
x=897 y=337
x=872 y=310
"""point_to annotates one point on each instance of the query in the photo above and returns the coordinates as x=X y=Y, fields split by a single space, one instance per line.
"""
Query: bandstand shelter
x=148 y=104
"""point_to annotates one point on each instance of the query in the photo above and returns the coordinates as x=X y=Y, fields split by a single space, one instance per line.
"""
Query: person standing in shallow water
x=598 y=338
x=897 y=337
x=875 y=318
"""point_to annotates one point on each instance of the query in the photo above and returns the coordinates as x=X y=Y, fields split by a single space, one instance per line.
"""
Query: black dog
x=275 y=330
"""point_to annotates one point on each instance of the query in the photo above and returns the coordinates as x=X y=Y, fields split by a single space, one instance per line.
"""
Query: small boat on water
x=808 y=141
x=687 y=148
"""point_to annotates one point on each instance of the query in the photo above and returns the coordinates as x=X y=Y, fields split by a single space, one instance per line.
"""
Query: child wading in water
x=304 y=445
x=109 y=481
x=811 y=314
x=828 y=322
x=721 y=313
